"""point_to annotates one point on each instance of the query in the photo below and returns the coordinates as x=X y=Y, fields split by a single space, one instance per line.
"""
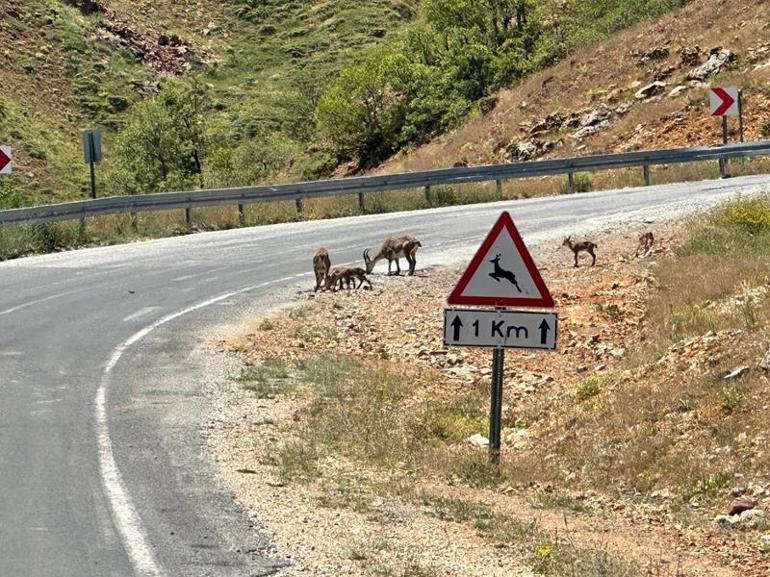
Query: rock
x=724 y=521
x=738 y=506
x=718 y=58
x=750 y=519
x=597 y=116
x=589 y=130
x=650 y=90
x=623 y=109
x=550 y=122
x=478 y=440
x=690 y=55
x=657 y=53
x=677 y=90
x=736 y=373
x=764 y=364
x=525 y=150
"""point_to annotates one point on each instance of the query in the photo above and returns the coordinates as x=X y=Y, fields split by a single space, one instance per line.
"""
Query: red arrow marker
x=5 y=160
x=727 y=101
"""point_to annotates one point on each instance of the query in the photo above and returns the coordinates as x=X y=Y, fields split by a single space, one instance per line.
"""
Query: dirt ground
x=335 y=525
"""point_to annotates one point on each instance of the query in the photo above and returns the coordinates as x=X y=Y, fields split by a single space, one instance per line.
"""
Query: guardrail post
x=188 y=216
x=361 y=202
x=571 y=182
x=428 y=198
x=135 y=221
x=646 y=173
x=300 y=205
x=241 y=215
x=499 y=189
x=722 y=167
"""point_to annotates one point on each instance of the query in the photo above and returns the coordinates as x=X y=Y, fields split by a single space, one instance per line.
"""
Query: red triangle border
x=504 y=222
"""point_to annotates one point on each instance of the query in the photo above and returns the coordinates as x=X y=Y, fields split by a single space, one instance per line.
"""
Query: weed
x=301 y=312
x=263 y=378
x=297 y=461
x=708 y=486
x=589 y=388
x=454 y=421
x=266 y=325
x=730 y=398
x=354 y=495
x=475 y=470
x=611 y=310
x=564 y=502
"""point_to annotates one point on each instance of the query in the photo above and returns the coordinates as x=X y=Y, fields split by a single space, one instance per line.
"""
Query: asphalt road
x=103 y=469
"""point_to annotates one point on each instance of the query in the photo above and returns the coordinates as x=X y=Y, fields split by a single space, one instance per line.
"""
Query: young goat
x=321 y=265
x=340 y=274
x=645 y=244
x=583 y=246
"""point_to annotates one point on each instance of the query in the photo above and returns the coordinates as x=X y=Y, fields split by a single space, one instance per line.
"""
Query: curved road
x=103 y=470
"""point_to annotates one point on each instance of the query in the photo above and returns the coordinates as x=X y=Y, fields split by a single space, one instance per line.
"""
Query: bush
x=590 y=387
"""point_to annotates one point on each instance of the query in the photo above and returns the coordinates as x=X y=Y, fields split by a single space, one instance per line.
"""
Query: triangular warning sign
x=502 y=273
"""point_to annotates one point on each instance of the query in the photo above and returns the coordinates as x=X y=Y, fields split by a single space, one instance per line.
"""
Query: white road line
x=124 y=513
x=140 y=313
x=185 y=277
x=37 y=302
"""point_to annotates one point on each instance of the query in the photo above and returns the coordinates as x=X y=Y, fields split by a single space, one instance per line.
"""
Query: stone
x=589 y=130
x=652 y=89
x=736 y=373
x=677 y=90
x=738 y=506
x=764 y=364
x=478 y=440
x=689 y=55
x=750 y=519
x=623 y=109
x=718 y=58
x=597 y=116
x=657 y=53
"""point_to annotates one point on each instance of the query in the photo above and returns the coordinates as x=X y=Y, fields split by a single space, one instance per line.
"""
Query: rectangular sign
x=92 y=146
x=500 y=329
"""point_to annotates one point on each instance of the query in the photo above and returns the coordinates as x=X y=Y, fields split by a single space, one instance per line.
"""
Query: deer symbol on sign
x=500 y=272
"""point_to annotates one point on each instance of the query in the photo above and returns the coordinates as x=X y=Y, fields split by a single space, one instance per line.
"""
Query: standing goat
x=577 y=247
x=393 y=249
x=321 y=265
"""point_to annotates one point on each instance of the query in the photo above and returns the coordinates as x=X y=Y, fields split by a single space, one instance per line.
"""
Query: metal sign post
x=92 y=153
x=496 y=405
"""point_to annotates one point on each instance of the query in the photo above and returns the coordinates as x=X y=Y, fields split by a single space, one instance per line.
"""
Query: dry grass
x=663 y=421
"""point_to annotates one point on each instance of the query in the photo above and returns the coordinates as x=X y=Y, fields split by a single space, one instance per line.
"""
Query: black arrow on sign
x=456 y=325
x=544 y=328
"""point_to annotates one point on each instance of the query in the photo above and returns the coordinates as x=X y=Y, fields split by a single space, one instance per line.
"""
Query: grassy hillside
x=70 y=65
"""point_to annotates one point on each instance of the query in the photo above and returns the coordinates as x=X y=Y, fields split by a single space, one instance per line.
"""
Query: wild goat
x=393 y=249
x=340 y=274
x=578 y=247
x=646 y=241
x=500 y=272
x=321 y=265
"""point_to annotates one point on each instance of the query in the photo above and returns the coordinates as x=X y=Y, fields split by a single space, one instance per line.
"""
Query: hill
x=80 y=64
x=642 y=88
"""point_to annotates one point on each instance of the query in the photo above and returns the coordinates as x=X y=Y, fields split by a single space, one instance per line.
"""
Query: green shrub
x=588 y=388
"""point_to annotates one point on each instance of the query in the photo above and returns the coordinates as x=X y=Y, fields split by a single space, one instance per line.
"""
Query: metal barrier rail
x=363 y=184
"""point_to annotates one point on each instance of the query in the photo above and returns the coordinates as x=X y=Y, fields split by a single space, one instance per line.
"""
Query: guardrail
x=364 y=184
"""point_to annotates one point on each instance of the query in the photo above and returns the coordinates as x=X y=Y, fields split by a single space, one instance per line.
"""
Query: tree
x=162 y=144
x=358 y=111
